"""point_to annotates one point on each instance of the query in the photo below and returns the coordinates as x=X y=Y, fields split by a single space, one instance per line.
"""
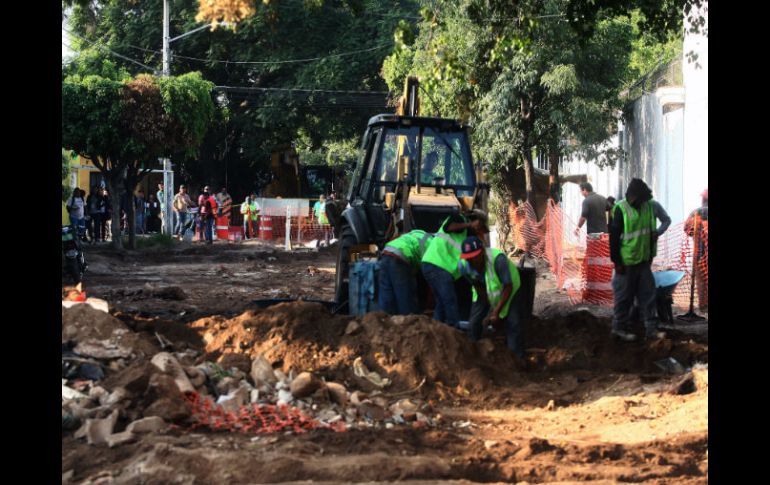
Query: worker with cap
x=696 y=226
x=633 y=245
x=399 y=264
x=439 y=265
x=496 y=295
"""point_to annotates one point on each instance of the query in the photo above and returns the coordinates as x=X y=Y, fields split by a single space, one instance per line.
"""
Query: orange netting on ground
x=582 y=264
x=253 y=418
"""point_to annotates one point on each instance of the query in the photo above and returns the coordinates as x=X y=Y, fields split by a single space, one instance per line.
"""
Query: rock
x=98 y=430
x=67 y=476
x=305 y=384
x=102 y=349
x=485 y=346
x=353 y=327
x=240 y=361
x=234 y=400
x=120 y=438
x=135 y=378
x=685 y=385
x=321 y=396
x=262 y=372
x=284 y=397
x=254 y=396
x=338 y=393
x=150 y=424
x=371 y=410
x=550 y=406
x=488 y=444
x=169 y=293
x=357 y=397
x=422 y=418
x=403 y=407
x=119 y=394
x=398 y=319
x=281 y=375
x=380 y=401
x=98 y=393
x=197 y=377
x=172 y=410
x=389 y=425
x=168 y=364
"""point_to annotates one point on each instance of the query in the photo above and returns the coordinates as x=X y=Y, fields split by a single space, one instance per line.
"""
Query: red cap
x=471 y=255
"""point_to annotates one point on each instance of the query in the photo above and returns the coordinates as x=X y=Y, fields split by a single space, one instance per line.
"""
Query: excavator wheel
x=341 y=295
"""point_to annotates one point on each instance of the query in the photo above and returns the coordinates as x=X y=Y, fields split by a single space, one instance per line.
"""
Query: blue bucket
x=665 y=279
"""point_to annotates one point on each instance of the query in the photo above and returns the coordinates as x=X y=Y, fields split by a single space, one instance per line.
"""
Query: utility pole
x=168 y=171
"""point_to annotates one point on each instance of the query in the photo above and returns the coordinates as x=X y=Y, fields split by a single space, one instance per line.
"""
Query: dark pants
x=96 y=226
x=637 y=283
x=514 y=331
x=442 y=284
x=397 y=287
x=207 y=227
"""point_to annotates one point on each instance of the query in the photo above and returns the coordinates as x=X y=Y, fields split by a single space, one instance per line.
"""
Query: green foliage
x=66 y=190
x=187 y=101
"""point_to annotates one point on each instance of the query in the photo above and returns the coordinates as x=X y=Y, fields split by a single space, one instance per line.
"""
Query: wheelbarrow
x=665 y=284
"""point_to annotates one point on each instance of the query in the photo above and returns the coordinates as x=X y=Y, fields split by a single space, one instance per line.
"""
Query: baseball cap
x=471 y=247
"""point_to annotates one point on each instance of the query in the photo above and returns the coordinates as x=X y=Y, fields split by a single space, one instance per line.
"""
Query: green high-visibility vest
x=638 y=225
x=411 y=246
x=493 y=283
x=444 y=250
x=254 y=214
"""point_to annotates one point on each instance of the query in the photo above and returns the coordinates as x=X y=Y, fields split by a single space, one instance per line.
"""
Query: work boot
x=624 y=336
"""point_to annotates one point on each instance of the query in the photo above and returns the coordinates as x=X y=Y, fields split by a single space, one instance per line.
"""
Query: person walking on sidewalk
x=439 y=265
x=633 y=245
x=399 y=264
x=181 y=206
x=496 y=296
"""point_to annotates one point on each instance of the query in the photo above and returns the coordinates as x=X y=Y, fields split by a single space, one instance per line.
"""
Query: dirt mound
x=101 y=335
x=413 y=351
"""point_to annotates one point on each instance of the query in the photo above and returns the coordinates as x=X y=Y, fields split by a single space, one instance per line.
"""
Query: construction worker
x=254 y=209
x=633 y=245
x=399 y=264
x=225 y=204
x=245 y=214
x=496 y=295
x=439 y=265
x=696 y=226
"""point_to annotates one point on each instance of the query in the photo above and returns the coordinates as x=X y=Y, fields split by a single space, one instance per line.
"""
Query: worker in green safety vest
x=633 y=245
x=439 y=265
x=399 y=263
x=496 y=295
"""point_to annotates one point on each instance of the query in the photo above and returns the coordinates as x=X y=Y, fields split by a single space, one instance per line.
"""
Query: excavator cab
x=413 y=173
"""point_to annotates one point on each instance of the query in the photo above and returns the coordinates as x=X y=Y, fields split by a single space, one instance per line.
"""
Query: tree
x=123 y=125
x=525 y=85
x=66 y=190
x=340 y=46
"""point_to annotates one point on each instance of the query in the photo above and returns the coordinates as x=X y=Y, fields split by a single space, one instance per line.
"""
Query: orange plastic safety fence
x=253 y=418
x=582 y=264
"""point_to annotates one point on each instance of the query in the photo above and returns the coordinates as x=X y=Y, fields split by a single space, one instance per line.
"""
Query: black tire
x=341 y=294
x=73 y=268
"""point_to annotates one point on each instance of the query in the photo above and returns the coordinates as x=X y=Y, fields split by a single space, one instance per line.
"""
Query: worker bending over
x=496 y=295
x=439 y=265
x=399 y=264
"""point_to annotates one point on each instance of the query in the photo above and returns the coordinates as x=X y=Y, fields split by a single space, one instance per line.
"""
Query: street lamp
x=168 y=171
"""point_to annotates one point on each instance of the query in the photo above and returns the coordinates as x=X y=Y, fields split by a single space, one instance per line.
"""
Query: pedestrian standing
x=593 y=211
x=610 y=208
x=161 y=197
x=76 y=208
x=246 y=218
x=153 y=214
x=207 y=207
x=696 y=226
x=181 y=207
x=319 y=211
x=254 y=209
x=93 y=203
x=399 y=264
x=439 y=265
x=139 y=212
x=496 y=297
x=106 y=215
x=633 y=245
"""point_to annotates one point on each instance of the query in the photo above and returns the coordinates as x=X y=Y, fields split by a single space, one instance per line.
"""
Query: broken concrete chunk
x=284 y=397
x=234 y=400
x=262 y=372
x=120 y=438
x=305 y=384
x=404 y=407
x=114 y=397
x=168 y=364
x=172 y=410
x=685 y=385
x=101 y=349
x=69 y=393
x=197 y=377
x=149 y=424
x=98 y=430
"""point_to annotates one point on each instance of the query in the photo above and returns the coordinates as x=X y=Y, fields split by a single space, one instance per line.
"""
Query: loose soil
x=589 y=409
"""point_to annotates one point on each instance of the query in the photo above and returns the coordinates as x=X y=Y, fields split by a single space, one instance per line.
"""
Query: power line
x=247 y=89
x=219 y=61
x=99 y=46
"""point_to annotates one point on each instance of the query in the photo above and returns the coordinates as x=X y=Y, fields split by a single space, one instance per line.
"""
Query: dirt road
x=590 y=410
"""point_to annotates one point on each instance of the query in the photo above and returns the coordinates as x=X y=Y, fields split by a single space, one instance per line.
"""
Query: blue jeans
x=139 y=223
x=207 y=224
x=442 y=284
x=398 y=287
x=79 y=223
x=514 y=332
x=181 y=222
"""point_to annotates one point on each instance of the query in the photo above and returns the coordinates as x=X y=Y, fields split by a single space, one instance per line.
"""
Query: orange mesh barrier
x=254 y=418
x=582 y=265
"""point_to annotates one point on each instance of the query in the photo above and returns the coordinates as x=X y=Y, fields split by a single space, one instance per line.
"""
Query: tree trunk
x=117 y=241
x=131 y=214
x=529 y=170
x=554 y=184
